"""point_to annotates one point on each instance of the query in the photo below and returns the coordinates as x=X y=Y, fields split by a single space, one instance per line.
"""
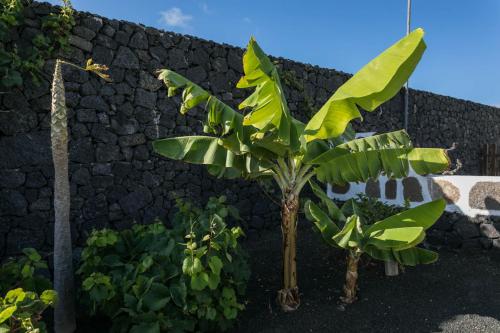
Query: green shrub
x=372 y=210
x=27 y=293
x=24 y=272
x=151 y=279
x=21 y=311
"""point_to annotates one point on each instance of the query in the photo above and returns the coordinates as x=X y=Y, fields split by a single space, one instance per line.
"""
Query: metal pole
x=407 y=92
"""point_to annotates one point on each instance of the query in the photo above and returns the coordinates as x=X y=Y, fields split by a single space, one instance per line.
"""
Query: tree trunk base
x=351 y=279
x=289 y=299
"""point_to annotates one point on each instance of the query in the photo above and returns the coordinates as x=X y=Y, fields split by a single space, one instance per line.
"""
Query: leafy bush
x=151 y=279
x=21 y=311
x=24 y=272
x=16 y=59
x=371 y=210
x=27 y=293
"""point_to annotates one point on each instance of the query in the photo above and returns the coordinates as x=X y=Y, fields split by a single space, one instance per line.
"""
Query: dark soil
x=459 y=293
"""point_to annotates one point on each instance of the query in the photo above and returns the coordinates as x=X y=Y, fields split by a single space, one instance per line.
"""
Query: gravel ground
x=459 y=293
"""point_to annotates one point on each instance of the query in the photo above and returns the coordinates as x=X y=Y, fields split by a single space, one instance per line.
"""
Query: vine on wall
x=18 y=62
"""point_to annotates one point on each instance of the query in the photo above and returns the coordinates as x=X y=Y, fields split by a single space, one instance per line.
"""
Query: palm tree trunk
x=351 y=278
x=64 y=314
x=288 y=297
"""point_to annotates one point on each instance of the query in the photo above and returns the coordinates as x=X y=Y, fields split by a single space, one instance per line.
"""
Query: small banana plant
x=392 y=239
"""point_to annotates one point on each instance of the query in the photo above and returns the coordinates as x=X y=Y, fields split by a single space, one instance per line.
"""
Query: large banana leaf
x=222 y=120
x=331 y=207
x=208 y=150
x=406 y=229
x=374 y=84
x=351 y=234
x=390 y=154
x=322 y=221
x=398 y=238
x=268 y=103
x=408 y=257
x=422 y=216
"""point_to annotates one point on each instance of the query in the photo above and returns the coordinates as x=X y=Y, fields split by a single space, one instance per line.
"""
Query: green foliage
x=24 y=272
x=266 y=141
x=27 y=293
x=20 y=310
x=370 y=209
x=16 y=61
x=392 y=238
x=150 y=278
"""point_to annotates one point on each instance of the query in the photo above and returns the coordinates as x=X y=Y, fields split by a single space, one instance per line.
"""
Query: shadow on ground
x=459 y=293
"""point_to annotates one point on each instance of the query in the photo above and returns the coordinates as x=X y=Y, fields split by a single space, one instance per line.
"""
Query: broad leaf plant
x=268 y=142
x=395 y=238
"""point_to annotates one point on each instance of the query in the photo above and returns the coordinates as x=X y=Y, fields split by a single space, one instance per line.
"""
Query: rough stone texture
x=115 y=176
x=444 y=189
x=341 y=189
x=412 y=190
x=390 y=189
x=373 y=188
x=489 y=231
x=485 y=195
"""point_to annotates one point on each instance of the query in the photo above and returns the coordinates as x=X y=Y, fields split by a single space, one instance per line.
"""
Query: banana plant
x=392 y=239
x=266 y=141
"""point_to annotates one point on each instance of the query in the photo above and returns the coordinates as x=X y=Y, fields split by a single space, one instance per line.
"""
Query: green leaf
x=428 y=160
x=349 y=236
x=157 y=297
x=199 y=281
x=415 y=256
x=367 y=158
x=12 y=79
x=49 y=297
x=268 y=103
x=333 y=211
x=178 y=291
x=209 y=151
x=325 y=225
x=211 y=313
x=406 y=229
x=398 y=238
x=423 y=216
x=32 y=254
x=7 y=313
x=215 y=264
x=146 y=328
x=408 y=257
x=213 y=280
x=191 y=266
x=15 y=295
x=374 y=84
x=230 y=313
x=222 y=120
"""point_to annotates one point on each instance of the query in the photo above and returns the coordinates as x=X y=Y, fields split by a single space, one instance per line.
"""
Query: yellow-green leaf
x=374 y=84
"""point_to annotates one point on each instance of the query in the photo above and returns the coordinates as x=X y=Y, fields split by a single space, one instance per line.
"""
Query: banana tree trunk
x=351 y=278
x=391 y=268
x=64 y=314
x=288 y=297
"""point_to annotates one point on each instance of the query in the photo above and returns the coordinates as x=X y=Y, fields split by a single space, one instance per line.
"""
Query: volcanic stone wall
x=115 y=176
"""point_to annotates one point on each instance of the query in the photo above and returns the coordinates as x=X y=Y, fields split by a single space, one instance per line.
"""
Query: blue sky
x=463 y=37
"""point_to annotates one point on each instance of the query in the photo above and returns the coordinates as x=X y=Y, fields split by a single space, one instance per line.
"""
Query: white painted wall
x=463 y=183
